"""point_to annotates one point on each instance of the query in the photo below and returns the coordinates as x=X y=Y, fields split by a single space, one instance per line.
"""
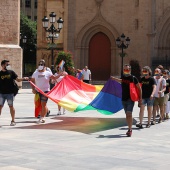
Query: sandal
x=160 y=120
x=167 y=116
x=148 y=126
x=139 y=125
x=153 y=122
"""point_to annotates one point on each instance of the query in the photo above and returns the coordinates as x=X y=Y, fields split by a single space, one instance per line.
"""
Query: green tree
x=28 y=28
x=67 y=57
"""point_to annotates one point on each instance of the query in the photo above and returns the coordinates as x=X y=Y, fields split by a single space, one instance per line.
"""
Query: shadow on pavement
x=112 y=136
x=81 y=124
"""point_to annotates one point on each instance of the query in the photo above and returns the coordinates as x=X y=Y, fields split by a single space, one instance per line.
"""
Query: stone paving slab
x=25 y=148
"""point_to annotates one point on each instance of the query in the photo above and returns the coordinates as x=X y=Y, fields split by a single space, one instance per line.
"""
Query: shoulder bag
x=134 y=91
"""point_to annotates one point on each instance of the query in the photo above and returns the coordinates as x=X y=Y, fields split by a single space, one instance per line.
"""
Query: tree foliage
x=28 y=28
x=68 y=58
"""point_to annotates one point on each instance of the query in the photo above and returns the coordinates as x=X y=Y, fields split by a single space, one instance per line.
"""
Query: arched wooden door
x=100 y=57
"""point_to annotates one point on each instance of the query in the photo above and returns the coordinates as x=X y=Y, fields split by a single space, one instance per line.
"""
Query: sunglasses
x=126 y=70
x=40 y=64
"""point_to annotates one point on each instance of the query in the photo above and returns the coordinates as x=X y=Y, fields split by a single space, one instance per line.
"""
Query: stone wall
x=9 y=34
x=146 y=23
x=45 y=7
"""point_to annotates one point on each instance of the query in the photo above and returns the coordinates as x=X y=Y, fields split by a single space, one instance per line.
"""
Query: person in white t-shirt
x=86 y=75
x=47 y=69
x=60 y=74
x=41 y=78
x=159 y=95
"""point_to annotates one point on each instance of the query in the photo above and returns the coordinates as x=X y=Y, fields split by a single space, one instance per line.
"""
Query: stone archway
x=163 y=35
x=83 y=39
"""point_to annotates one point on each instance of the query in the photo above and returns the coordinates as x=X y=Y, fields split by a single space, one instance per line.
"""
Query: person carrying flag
x=127 y=103
x=60 y=74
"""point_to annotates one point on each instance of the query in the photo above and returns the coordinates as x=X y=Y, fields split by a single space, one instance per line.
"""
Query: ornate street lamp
x=122 y=42
x=53 y=33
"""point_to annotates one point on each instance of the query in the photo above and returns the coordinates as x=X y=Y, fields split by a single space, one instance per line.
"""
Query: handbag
x=134 y=91
x=15 y=88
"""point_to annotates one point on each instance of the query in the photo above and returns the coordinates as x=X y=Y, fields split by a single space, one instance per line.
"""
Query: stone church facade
x=9 y=34
x=91 y=28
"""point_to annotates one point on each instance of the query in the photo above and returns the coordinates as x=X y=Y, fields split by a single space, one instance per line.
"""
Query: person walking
x=148 y=90
x=47 y=69
x=127 y=103
x=7 y=78
x=158 y=109
x=159 y=95
x=86 y=75
x=41 y=78
x=166 y=93
x=60 y=74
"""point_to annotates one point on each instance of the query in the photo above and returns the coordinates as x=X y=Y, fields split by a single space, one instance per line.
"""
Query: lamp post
x=122 y=43
x=53 y=33
x=23 y=39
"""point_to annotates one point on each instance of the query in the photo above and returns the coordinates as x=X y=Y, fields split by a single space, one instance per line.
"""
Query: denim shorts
x=128 y=105
x=8 y=97
x=43 y=98
x=147 y=101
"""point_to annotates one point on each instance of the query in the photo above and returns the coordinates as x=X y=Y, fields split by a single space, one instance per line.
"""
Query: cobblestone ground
x=85 y=140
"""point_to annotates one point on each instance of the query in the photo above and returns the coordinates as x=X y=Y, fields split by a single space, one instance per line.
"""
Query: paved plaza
x=85 y=140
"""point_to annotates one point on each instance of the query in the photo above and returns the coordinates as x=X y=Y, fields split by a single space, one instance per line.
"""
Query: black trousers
x=86 y=81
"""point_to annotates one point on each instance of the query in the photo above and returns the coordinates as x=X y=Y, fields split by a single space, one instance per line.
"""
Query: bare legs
x=44 y=109
x=12 y=111
x=129 y=119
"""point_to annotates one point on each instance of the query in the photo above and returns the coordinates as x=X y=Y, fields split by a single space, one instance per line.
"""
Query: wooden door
x=100 y=57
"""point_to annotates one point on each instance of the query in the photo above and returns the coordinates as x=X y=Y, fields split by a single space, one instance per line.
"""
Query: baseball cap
x=3 y=62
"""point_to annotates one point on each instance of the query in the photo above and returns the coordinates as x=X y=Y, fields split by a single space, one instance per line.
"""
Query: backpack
x=15 y=88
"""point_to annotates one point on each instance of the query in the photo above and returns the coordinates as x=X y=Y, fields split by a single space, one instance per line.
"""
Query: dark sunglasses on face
x=40 y=64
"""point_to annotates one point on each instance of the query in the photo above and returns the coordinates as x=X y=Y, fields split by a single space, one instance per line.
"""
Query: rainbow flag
x=108 y=101
x=37 y=104
x=75 y=95
x=61 y=64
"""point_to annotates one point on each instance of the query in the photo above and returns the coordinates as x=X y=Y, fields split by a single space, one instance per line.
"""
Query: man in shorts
x=159 y=95
x=7 y=78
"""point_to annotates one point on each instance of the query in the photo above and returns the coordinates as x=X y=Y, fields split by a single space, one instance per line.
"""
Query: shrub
x=68 y=58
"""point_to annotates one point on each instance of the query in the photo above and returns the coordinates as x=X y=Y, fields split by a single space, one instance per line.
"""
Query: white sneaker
x=12 y=123
x=40 y=121
x=59 y=113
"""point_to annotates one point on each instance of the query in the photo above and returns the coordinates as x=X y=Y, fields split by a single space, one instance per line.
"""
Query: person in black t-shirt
x=127 y=103
x=7 y=78
x=148 y=90
x=166 y=93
